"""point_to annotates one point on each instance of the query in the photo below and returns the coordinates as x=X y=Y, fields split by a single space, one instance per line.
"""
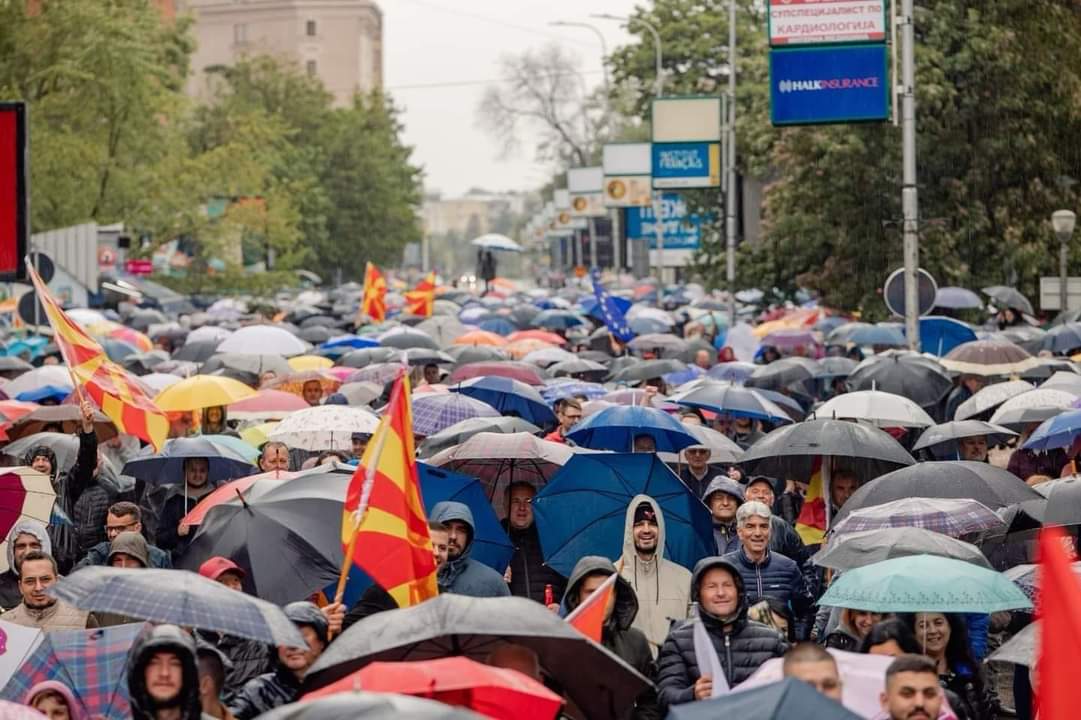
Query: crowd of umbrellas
x=961 y=453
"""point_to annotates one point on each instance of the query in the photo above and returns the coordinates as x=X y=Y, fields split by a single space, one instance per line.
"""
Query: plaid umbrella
x=378 y=373
x=1025 y=577
x=433 y=412
x=949 y=516
x=178 y=597
x=93 y=663
x=558 y=391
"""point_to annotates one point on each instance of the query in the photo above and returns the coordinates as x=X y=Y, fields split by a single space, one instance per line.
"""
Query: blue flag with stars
x=609 y=310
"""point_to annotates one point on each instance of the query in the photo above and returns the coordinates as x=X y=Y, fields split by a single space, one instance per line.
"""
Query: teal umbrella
x=925 y=583
x=235 y=444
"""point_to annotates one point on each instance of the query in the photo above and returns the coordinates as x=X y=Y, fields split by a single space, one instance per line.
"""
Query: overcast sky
x=439 y=56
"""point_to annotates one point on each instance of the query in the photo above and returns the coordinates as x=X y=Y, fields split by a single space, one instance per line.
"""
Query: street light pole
x=730 y=195
x=1063 y=222
x=909 y=197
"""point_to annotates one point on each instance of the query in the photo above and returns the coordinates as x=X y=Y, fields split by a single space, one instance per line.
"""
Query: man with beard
x=175 y=535
x=163 y=678
x=912 y=690
x=462 y=574
x=38 y=609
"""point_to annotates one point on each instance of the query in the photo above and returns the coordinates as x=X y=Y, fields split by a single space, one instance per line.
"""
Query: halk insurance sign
x=829 y=85
x=809 y=22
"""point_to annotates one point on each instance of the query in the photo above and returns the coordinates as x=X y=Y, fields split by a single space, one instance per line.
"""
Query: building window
x=240 y=34
x=310 y=28
x=312 y=68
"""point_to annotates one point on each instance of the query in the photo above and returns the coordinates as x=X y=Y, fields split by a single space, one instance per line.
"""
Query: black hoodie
x=164 y=638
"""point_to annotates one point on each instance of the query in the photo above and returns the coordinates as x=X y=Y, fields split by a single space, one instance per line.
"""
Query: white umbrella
x=324 y=427
x=722 y=449
x=495 y=241
x=989 y=397
x=57 y=376
x=1033 y=406
x=881 y=408
x=1064 y=380
x=208 y=332
x=263 y=340
x=86 y=316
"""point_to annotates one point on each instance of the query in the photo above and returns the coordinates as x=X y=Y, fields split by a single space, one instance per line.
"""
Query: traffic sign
x=893 y=292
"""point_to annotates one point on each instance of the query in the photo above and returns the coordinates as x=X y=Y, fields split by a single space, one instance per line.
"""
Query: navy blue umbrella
x=614 y=428
x=168 y=465
x=789 y=698
x=939 y=335
x=558 y=320
x=509 y=397
x=497 y=325
x=583 y=508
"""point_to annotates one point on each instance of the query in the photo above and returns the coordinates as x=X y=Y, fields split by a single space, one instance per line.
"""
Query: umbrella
x=990 y=397
x=543 y=335
x=881 y=408
x=583 y=509
x=324 y=427
x=369 y=356
x=1064 y=503
x=578 y=366
x=69 y=417
x=962 y=479
x=497 y=324
x=492 y=691
x=520 y=349
x=208 y=333
x=407 y=337
x=737 y=372
x=1062 y=339
x=11 y=411
x=1009 y=297
x=550 y=356
x=168 y=465
x=178 y=597
x=834 y=367
x=731 y=400
x=266 y=405
x=495 y=241
x=784 y=373
x=368 y=706
x=250 y=363
x=1028 y=337
x=444 y=330
x=345 y=343
x=202 y=391
x=576 y=388
x=665 y=342
x=1067 y=380
x=788 y=698
x=92 y=663
x=233 y=489
x=529 y=374
x=481 y=337
x=856 y=549
x=921 y=380
x=459 y=432
x=295 y=380
x=557 y=320
x=490 y=544
x=957 y=298
x=925 y=583
x=424 y=356
x=1057 y=432
x=433 y=412
x=818 y=438
x=197 y=351
x=42 y=382
x=940 y=335
x=647 y=370
x=510 y=397
x=361 y=393
x=378 y=373
x=615 y=428
x=722 y=449
x=309 y=362
x=19 y=643
x=64 y=446
x=1021 y=648
x=472 y=627
x=263 y=340
x=875 y=335
x=1032 y=406
x=988 y=357
x=464 y=354
x=158 y=381
x=315 y=334
x=25 y=494
x=952 y=431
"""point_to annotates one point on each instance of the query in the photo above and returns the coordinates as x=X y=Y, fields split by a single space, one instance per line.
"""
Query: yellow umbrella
x=256 y=435
x=202 y=391
x=310 y=362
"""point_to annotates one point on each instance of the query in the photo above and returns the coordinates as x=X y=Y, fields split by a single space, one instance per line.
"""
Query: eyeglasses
x=111 y=530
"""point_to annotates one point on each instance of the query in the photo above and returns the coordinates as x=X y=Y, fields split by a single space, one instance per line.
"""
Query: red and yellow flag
x=384 y=526
x=588 y=618
x=110 y=386
x=374 y=301
x=421 y=300
x=813 y=520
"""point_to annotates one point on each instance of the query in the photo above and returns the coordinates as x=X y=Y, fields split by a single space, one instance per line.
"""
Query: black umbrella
x=595 y=356
x=461 y=625
x=985 y=483
x=853 y=550
x=320 y=321
x=952 y=431
x=1064 y=503
x=789 y=698
x=1009 y=297
x=578 y=366
x=369 y=356
x=316 y=334
x=920 y=379
x=369 y=706
x=647 y=369
x=783 y=374
x=465 y=354
x=424 y=356
x=832 y=367
x=198 y=351
x=459 y=432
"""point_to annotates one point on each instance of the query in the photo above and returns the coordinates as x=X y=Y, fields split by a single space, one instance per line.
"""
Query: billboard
x=14 y=189
x=809 y=22
x=628 y=191
x=627 y=159
x=681 y=230
x=687 y=119
x=686 y=165
x=811 y=86
x=627 y=168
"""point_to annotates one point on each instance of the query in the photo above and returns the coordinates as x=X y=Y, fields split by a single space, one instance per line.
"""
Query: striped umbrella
x=25 y=494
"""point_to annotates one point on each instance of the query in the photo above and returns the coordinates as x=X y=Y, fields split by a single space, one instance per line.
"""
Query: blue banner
x=829 y=85
x=682 y=231
x=686 y=165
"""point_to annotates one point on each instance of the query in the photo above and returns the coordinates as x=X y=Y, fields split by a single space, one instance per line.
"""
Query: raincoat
x=464 y=575
x=164 y=638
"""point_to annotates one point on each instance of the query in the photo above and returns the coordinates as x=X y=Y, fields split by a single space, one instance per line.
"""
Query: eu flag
x=609 y=310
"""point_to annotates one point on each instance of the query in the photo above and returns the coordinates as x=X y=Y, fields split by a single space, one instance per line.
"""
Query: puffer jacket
x=464 y=575
x=10 y=595
x=164 y=638
x=778 y=577
x=248 y=659
x=529 y=573
x=89 y=516
x=617 y=634
x=264 y=693
x=742 y=645
x=69 y=487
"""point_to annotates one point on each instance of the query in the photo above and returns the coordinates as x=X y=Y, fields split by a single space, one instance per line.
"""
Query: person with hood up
x=723 y=497
x=123 y=517
x=661 y=585
x=174 y=534
x=742 y=645
x=462 y=574
x=163 y=678
x=617 y=635
x=56 y=701
x=273 y=689
x=527 y=573
x=25 y=536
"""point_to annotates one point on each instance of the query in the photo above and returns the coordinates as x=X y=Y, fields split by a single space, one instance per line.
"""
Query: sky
x=440 y=55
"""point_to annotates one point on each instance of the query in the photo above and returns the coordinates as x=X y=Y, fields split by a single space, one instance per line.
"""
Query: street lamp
x=1063 y=221
x=658 y=85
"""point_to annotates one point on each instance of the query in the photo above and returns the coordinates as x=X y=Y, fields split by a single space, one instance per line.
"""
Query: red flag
x=373 y=303
x=1059 y=653
x=588 y=618
x=421 y=300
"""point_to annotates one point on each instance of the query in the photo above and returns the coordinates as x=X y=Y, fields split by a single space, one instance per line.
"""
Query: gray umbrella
x=254 y=364
x=648 y=369
x=920 y=379
x=357 y=705
x=459 y=432
x=1064 y=503
x=1009 y=297
x=784 y=373
x=853 y=550
x=1020 y=649
x=406 y=337
x=461 y=625
x=465 y=354
x=578 y=366
x=952 y=431
x=368 y=356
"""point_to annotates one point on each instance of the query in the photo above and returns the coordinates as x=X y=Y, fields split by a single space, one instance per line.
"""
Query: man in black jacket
x=628 y=643
x=741 y=645
x=527 y=573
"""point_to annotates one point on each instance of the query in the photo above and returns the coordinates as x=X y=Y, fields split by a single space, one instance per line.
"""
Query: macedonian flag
x=421 y=300
x=115 y=391
x=373 y=302
x=384 y=526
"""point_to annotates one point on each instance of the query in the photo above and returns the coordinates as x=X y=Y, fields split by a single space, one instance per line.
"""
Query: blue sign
x=681 y=230
x=829 y=85
x=686 y=165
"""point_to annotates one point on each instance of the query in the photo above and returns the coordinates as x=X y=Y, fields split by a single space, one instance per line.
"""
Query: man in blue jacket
x=462 y=574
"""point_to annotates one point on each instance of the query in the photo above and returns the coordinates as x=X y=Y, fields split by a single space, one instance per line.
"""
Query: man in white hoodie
x=662 y=586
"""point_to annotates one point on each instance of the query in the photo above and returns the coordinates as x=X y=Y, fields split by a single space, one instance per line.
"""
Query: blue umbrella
x=788 y=404
x=558 y=391
x=876 y=335
x=558 y=320
x=168 y=465
x=1062 y=338
x=117 y=350
x=45 y=392
x=957 y=298
x=509 y=397
x=473 y=313
x=433 y=412
x=691 y=372
x=614 y=428
x=736 y=372
x=497 y=325
x=349 y=342
x=583 y=508
x=939 y=335
x=648 y=325
x=1058 y=432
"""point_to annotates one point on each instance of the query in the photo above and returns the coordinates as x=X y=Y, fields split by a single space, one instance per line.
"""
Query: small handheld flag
x=609 y=310
x=705 y=655
x=588 y=618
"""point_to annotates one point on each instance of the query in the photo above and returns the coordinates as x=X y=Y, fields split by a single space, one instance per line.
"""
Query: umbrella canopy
x=1009 y=297
x=548 y=356
x=783 y=374
x=433 y=412
x=543 y=335
x=251 y=363
x=988 y=357
x=615 y=428
x=263 y=340
x=25 y=494
x=472 y=627
x=202 y=391
x=1064 y=503
x=881 y=408
x=647 y=370
x=990 y=397
x=490 y=544
x=789 y=698
x=178 y=597
x=40 y=383
x=557 y=320
x=510 y=397
x=168 y=465
x=1021 y=648
x=577 y=367
x=197 y=351
x=729 y=399
x=950 y=432
x=921 y=380
x=940 y=335
x=369 y=356
x=234 y=488
x=324 y=427
x=1057 y=432
x=295 y=380
x=11 y=411
x=577 y=388
x=68 y=416
x=495 y=241
x=853 y=550
x=722 y=449
x=1032 y=406
x=464 y=354
x=957 y=298
x=524 y=372
x=1062 y=339
x=368 y=706
x=925 y=583
x=444 y=330
x=481 y=337
x=737 y=372
x=310 y=362
x=1067 y=380
x=64 y=446
x=949 y=516
x=583 y=509
x=461 y=431
x=830 y=438
x=424 y=356
x=885 y=335
x=267 y=405
x=1027 y=575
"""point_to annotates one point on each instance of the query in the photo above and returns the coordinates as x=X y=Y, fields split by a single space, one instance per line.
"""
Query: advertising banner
x=686 y=165
x=627 y=191
x=810 y=22
x=627 y=159
x=587 y=205
x=811 y=86
x=681 y=230
x=686 y=119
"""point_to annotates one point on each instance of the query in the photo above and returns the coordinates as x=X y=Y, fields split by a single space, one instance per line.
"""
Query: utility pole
x=730 y=195
x=909 y=195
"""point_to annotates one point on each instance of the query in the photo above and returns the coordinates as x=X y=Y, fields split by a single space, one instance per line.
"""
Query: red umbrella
x=232 y=489
x=516 y=370
x=12 y=410
x=267 y=405
x=491 y=691
x=542 y=335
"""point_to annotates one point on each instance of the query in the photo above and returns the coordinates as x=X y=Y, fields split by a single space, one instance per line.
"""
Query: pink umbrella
x=515 y=370
x=267 y=405
x=232 y=489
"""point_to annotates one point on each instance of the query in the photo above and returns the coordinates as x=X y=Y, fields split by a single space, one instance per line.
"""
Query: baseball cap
x=216 y=566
